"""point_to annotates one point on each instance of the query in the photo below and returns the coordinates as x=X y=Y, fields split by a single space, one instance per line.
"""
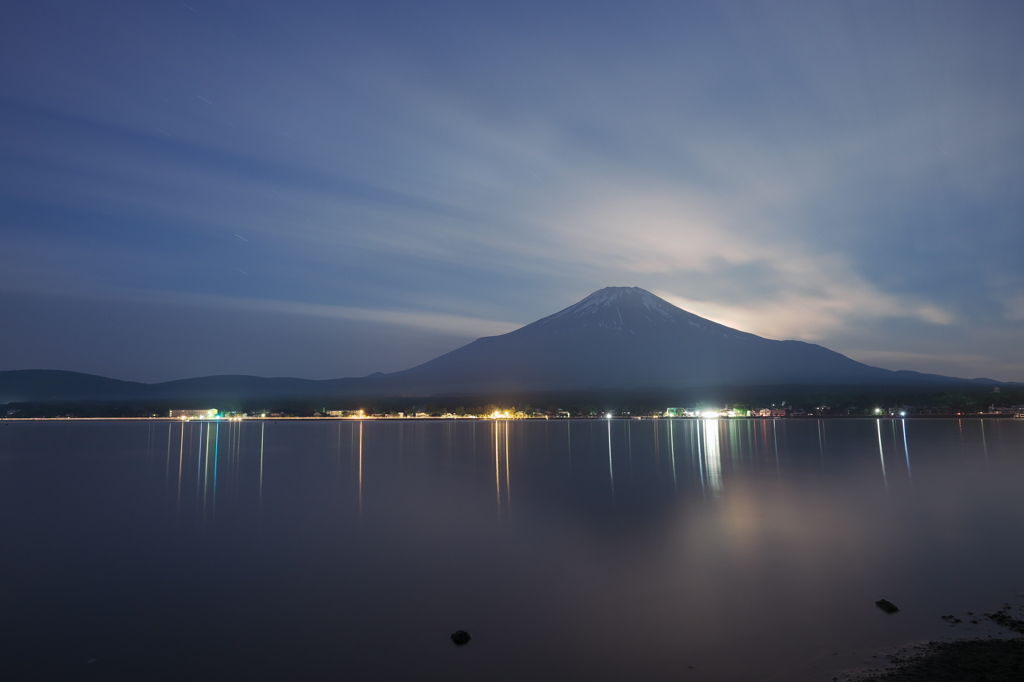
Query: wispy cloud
x=455 y=325
x=758 y=278
x=421 y=319
x=1015 y=308
x=965 y=365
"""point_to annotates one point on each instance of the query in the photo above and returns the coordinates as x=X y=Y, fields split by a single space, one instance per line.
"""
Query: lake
x=600 y=550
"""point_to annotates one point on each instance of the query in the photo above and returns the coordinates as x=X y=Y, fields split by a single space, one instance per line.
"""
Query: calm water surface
x=597 y=550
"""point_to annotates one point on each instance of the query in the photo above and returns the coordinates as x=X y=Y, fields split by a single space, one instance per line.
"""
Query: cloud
x=650 y=233
x=965 y=365
x=1015 y=308
x=789 y=172
x=424 y=320
x=752 y=276
x=807 y=317
x=455 y=325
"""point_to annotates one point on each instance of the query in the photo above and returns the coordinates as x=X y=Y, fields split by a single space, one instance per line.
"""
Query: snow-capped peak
x=628 y=309
x=613 y=296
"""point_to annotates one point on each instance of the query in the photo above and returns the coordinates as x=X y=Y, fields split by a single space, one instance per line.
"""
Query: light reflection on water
x=308 y=550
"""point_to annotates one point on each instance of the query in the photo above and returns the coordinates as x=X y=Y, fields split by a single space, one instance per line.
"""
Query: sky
x=324 y=189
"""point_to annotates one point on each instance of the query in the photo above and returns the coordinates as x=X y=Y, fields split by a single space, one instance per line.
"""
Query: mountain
x=626 y=337
x=621 y=338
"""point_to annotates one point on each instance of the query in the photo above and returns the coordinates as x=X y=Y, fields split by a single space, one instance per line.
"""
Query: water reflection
x=508 y=473
x=204 y=466
x=500 y=428
x=360 y=467
x=713 y=455
x=984 y=444
x=497 y=466
x=181 y=464
x=775 y=441
x=881 y=453
x=672 y=451
x=821 y=441
x=611 y=470
x=258 y=533
x=906 y=449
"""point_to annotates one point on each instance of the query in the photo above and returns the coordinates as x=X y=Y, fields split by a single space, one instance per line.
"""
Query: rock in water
x=460 y=637
x=887 y=606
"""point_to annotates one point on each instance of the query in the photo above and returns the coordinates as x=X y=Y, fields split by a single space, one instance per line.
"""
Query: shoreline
x=959 y=660
x=997 y=656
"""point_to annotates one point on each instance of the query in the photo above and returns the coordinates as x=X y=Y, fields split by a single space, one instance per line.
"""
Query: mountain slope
x=626 y=337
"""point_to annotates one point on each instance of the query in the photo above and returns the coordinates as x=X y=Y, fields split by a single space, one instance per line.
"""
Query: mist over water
x=602 y=549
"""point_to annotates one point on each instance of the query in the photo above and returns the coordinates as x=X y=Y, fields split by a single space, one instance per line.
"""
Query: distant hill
x=39 y=385
x=618 y=338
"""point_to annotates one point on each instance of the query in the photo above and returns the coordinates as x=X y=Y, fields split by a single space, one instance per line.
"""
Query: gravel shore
x=964 y=660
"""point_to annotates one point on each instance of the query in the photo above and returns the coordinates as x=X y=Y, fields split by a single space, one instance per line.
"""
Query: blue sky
x=325 y=189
